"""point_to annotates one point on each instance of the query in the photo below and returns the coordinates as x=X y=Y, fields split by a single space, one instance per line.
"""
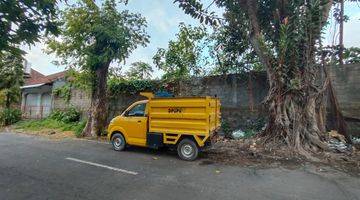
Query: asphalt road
x=37 y=168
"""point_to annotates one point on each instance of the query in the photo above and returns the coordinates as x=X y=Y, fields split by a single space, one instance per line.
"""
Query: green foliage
x=183 y=57
x=350 y=55
x=249 y=133
x=78 y=128
x=79 y=79
x=38 y=125
x=24 y=21
x=92 y=37
x=49 y=123
x=67 y=116
x=196 y=10
x=9 y=96
x=118 y=86
x=68 y=120
x=140 y=70
x=225 y=127
x=9 y=116
x=231 y=52
x=283 y=34
x=63 y=92
x=11 y=78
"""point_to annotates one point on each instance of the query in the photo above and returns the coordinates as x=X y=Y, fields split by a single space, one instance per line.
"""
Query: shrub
x=57 y=115
x=49 y=123
x=249 y=133
x=71 y=115
x=67 y=116
x=121 y=86
x=79 y=128
x=9 y=116
x=225 y=126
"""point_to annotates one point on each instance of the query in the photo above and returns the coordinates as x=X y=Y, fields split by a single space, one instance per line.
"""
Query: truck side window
x=137 y=111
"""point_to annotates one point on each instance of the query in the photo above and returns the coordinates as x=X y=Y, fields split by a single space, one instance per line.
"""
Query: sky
x=163 y=17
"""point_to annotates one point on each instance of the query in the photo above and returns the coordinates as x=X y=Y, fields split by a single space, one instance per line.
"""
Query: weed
x=49 y=123
x=9 y=116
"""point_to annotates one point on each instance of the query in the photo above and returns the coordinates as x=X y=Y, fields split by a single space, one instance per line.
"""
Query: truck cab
x=132 y=123
x=185 y=123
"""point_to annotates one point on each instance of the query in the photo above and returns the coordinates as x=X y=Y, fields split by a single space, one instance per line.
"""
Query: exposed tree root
x=294 y=123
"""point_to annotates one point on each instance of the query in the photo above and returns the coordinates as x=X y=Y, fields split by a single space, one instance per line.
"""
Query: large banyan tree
x=285 y=35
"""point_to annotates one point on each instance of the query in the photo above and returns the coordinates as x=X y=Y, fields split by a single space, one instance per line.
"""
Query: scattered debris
x=356 y=140
x=336 y=135
x=321 y=170
x=238 y=134
x=155 y=158
x=252 y=152
x=338 y=143
x=52 y=133
x=218 y=171
x=339 y=146
x=253 y=146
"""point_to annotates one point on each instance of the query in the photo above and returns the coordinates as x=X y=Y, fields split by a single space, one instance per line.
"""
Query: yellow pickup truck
x=183 y=122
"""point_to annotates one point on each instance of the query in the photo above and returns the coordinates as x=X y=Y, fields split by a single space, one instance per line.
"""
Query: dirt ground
x=47 y=133
x=52 y=134
x=247 y=152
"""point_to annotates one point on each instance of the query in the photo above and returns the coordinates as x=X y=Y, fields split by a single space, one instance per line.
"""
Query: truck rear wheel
x=118 y=142
x=187 y=150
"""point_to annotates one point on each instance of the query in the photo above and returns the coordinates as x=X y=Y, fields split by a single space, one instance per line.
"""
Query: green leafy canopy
x=24 y=21
x=93 y=37
x=183 y=56
x=11 y=78
x=140 y=70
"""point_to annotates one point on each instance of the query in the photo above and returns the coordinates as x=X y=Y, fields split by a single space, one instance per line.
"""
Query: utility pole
x=341 y=35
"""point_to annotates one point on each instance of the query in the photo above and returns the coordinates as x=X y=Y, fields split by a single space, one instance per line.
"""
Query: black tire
x=118 y=142
x=187 y=150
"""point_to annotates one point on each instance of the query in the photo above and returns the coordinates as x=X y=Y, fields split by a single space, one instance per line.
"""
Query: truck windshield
x=138 y=110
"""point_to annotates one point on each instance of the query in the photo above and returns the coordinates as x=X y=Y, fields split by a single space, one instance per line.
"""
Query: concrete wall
x=346 y=83
x=80 y=99
x=241 y=97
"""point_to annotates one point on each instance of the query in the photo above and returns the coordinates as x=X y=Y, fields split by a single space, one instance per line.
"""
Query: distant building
x=37 y=97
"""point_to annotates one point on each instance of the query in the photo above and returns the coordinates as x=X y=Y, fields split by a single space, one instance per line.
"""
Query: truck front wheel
x=118 y=142
x=187 y=150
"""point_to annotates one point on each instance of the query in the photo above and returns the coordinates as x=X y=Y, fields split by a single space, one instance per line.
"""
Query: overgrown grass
x=49 y=123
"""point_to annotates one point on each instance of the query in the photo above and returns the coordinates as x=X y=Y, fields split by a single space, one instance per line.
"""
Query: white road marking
x=103 y=166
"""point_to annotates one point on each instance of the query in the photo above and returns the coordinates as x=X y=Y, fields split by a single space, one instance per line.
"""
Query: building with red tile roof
x=36 y=78
x=37 y=94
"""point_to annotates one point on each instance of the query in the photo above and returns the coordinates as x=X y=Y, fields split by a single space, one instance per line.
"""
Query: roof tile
x=38 y=78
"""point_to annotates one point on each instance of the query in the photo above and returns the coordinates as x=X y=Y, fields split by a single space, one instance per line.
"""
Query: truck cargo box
x=198 y=116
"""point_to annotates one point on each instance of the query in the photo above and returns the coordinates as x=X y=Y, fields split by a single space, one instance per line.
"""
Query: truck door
x=136 y=124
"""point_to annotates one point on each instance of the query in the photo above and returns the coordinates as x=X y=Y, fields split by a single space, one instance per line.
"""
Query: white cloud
x=39 y=60
x=352 y=32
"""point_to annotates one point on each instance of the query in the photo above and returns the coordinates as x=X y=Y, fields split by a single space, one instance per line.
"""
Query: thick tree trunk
x=294 y=121
x=294 y=118
x=98 y=108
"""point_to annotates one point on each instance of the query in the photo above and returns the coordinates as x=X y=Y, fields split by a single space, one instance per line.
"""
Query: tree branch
x=256 y=38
